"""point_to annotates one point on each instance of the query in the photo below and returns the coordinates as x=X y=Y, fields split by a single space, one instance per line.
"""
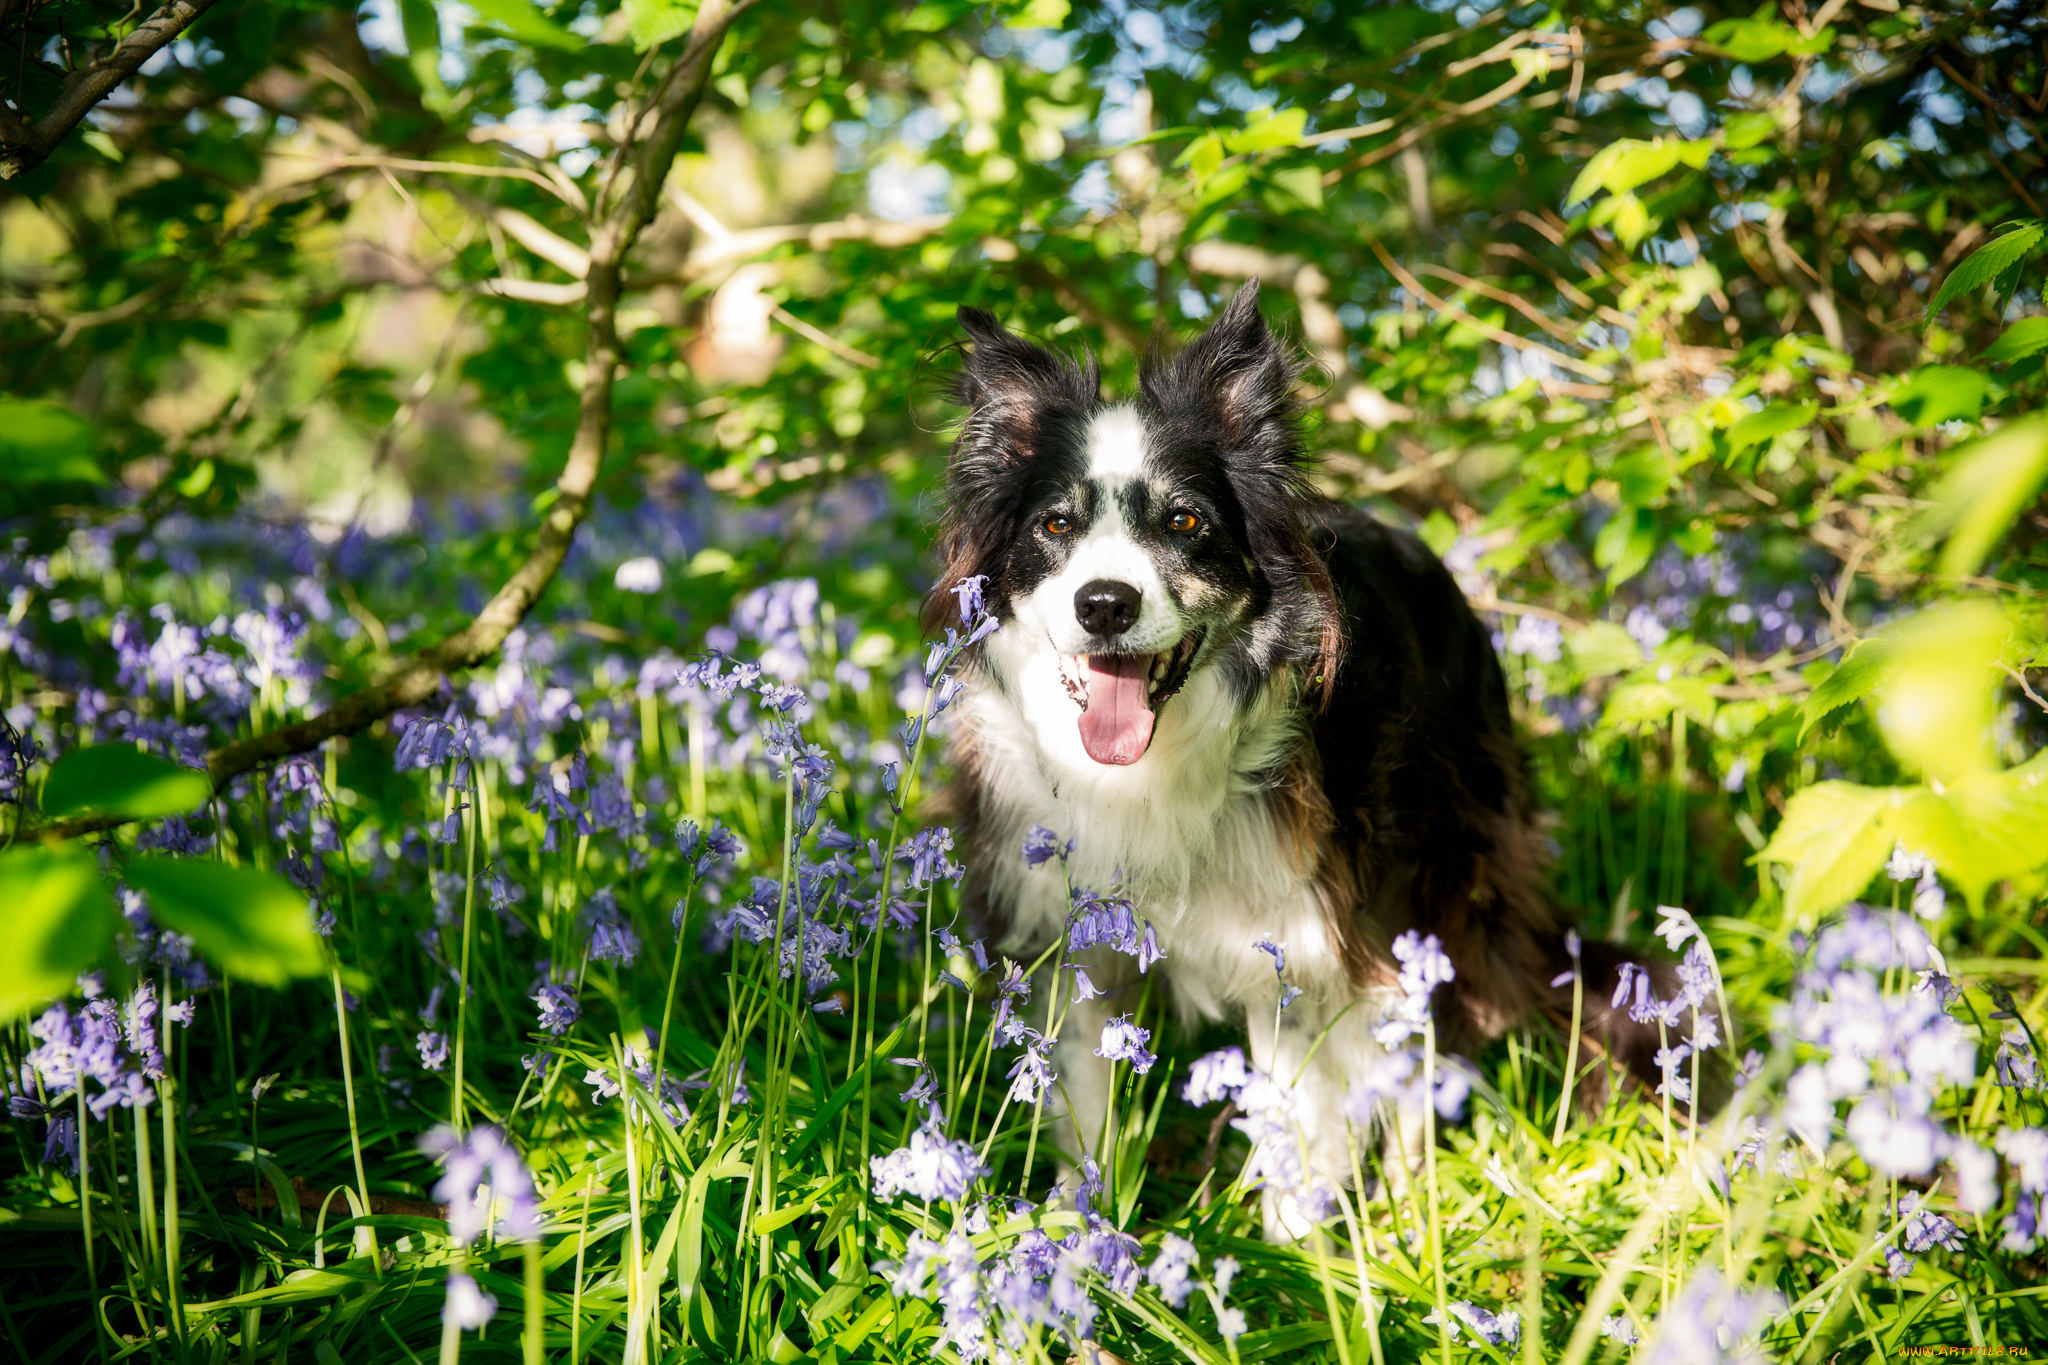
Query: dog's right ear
x=1010 y=386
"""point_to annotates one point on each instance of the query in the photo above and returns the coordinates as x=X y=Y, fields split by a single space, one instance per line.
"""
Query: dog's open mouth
x=1120 y=696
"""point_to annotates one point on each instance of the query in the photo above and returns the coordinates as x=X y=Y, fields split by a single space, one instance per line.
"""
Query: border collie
x=1263 y=715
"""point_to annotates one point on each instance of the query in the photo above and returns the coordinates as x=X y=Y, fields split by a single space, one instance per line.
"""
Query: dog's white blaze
x=1116 y=444
x=1106 y=551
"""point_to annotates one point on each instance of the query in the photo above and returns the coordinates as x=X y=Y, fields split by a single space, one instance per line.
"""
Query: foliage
x=1706 y=344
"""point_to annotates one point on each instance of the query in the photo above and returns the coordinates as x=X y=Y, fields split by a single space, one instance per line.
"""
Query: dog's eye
x=1057 y=526
x=1185 y=522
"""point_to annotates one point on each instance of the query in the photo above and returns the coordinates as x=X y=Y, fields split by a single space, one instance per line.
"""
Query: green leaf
x=1298 y=187
x=1988 y=827
x=114 y=779
x=56 y=919
x=1759 y=40
x=1939 y=697
x=1771 y=423
x=1280 y=128
x=1644 y=476
x=1990 y=261
x=1638 y=706
x=250 y=923
x=1941 y=393
x=1622 y=165
x=1040 y=14
x=43 y=443
x=2028 y=336
x=1860 y=673
x=524 y=21
x=650 y=23
x=1625 y=544
x=1834 y=838
x=1747 y=129
x=1603 y=649
x=1203 y=155
x=1994 y=479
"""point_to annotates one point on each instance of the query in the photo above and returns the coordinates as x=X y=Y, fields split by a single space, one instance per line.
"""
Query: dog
x=1267 y=718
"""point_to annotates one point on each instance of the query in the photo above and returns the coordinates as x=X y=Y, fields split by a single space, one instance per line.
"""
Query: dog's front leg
x=1301 y=1143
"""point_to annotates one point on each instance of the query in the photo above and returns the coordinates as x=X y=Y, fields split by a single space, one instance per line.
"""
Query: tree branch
x=611 y=239
x=22 y=149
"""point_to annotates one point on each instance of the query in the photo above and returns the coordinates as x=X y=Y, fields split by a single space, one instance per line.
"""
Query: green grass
x=217 y=1225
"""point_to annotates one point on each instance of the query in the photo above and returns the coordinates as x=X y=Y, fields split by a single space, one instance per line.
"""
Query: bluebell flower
x=1496 y=1329
x=1424 y=965
x=611 y=938
x=467 y=1307
x=1041 y=845
x=433 y=1048
x=1925 y=1229
x=1572 y=948
x=1031 y=1075
x=1217 y=1076
x=781 y=697
x=1675 y=927
x=1124 y=1041
x=930 y=1166
x=968 y=593
x=1172 y=1270
x=923 y=1090
x=1713 y=1320
x=927 y=855
x=484 y=1183
x=1149 y=950
x=721 y=845
x=559 y=1010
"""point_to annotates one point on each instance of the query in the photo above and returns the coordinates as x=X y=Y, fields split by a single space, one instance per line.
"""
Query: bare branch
x=612 y=239
x=24 y=149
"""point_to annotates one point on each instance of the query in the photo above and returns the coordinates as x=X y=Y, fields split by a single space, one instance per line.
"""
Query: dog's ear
x=1010 y=386
x=1239 y=371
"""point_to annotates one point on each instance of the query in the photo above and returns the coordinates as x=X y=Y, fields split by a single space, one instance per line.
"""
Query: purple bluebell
x=611 y=939
x=968 y=594
x=1495 y=1329
x=1031 y=1075
x=927 y=853
x=1041 y=846
x=1713 y=1320
x=467 y=1307
x=930 y=1166
x=1925 y=1229
x=1675 y=926
x=1172 y=1271
x=482 y=1175
x=1217 y=1076
x=1572 y=947
x=1124 y=1041
x=433 y=1049
x=558 y=1007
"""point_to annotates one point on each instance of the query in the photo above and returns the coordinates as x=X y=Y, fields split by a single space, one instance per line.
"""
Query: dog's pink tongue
x=1116 y=725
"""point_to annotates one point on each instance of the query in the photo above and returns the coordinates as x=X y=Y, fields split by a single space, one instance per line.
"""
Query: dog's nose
x=1104 y=607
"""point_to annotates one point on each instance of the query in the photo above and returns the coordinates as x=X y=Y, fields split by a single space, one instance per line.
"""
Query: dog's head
x=1134 y=545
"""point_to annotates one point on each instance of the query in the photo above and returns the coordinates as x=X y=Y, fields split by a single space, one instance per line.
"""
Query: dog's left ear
x=1238 y=369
